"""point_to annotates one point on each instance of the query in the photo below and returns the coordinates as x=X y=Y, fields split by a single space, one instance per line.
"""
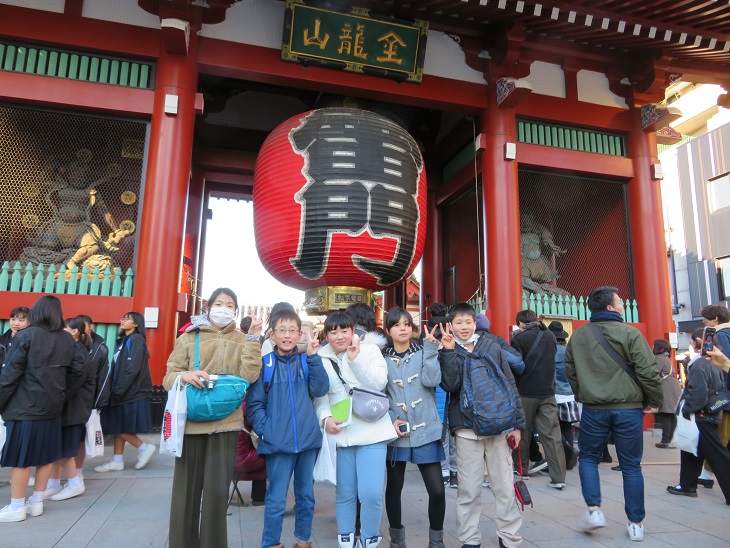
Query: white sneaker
x=636 y=531
x=49 y=492
x=69 y=492
x=31 y=481
x=110 y=466
x=34 y=508
x=556 y=485
x=144 y=456
x=7 y=515
x=485 y=483
x=593 y=519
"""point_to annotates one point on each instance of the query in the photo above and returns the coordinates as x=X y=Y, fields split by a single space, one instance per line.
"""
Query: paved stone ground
x=130 y=509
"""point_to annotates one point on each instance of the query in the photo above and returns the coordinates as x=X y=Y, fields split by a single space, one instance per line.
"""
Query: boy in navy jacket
x=280 y=409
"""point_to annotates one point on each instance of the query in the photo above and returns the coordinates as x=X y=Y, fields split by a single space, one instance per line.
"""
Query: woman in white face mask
x=205 y=469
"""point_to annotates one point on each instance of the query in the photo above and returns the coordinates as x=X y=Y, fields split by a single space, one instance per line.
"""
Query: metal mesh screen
x=573 y=235
x=70 y=188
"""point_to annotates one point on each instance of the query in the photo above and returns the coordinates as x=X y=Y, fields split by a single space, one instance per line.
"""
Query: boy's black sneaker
x=678 y=490
x=536 y=467
x=453 y=481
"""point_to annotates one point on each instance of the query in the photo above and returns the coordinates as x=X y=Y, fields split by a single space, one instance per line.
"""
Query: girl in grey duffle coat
x=671 y=390
x=413 y=375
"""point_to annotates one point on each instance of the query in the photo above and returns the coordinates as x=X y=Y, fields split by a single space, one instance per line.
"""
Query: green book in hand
x=342 y=411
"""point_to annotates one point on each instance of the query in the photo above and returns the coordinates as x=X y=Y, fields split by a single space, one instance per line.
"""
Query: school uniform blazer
x=33 y=384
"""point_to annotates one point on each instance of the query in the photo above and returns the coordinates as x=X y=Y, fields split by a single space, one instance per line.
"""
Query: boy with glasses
x=279 y=407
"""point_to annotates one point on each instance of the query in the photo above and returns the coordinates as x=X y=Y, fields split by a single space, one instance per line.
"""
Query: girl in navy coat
x=129 y=412
x=32 y=388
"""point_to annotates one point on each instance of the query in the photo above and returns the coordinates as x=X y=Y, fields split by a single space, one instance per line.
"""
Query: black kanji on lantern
x=362 y=175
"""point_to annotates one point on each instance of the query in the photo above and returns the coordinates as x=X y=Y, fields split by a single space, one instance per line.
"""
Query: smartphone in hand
x=708 y=340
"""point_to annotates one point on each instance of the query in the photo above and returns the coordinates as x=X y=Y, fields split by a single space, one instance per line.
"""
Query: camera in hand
x=708 y=340
x=212 y=379
x=404 y=428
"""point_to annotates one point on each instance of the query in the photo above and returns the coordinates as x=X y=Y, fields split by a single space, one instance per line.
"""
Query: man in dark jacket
x=460 y=344
x=537 y=390
x=612 y=402
x=705 y=386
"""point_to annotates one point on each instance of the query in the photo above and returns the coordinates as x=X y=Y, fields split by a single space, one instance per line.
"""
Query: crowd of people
x=55 y=375
x=452 y=398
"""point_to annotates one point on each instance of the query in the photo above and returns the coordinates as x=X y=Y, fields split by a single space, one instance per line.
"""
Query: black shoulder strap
x=337 y=370
x=534 y=345
x=611 y=351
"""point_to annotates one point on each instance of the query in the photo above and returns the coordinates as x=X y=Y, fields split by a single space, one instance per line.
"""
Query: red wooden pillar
x=432 y=265
x=190 y=283
x=162 y=227
x=646 y=223
x=502 y=216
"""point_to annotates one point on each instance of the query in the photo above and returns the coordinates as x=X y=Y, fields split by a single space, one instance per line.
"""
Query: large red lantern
x=340 y=200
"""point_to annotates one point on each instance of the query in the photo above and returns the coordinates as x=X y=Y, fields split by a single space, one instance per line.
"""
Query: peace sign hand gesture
x=313 y=344
x=353 y=351
x=256 y=326
x=430 y=335
x=447 y=339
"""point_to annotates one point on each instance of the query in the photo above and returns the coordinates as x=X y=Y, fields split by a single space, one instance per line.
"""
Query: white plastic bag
x=173 y=422
x=325 y=469
x=2 y=433
x=686 y=435
x=94 y=442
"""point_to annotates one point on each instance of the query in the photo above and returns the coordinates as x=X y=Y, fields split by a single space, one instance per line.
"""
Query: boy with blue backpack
x=486 y=419
x=279 y=407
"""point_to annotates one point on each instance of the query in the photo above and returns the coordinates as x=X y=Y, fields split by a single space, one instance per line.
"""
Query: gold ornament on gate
x=30 y=220
x=128 y=197
x=127 y=225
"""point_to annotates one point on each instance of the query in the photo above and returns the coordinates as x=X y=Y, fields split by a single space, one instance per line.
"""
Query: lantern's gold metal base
x=322 y=300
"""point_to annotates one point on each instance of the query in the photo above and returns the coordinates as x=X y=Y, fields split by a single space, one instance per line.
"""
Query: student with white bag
x=204 y=471
x=702 y=396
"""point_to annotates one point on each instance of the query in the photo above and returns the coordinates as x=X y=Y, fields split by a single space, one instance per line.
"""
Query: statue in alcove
x=69 y=236
x=538 y=252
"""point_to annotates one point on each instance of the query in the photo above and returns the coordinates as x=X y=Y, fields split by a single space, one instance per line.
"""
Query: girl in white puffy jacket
x=361 y=445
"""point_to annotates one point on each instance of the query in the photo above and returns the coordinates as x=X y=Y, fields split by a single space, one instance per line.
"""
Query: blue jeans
x=627 y=426
x=279 y=470
x=360 y=474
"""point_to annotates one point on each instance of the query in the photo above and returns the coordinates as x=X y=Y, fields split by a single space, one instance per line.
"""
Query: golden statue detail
x=69 y=236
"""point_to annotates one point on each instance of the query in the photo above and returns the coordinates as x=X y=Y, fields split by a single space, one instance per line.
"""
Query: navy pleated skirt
x=134 y=417
x=31 y=443
x=425 y=454
x=71 y=438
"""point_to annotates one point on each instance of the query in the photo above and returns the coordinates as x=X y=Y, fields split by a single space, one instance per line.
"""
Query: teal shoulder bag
x=221 y=396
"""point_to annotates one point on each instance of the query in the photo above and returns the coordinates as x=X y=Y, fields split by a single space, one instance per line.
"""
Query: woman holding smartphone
x=413 y=375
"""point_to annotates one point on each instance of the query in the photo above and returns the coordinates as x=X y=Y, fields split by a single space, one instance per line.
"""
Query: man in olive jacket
x=612 y=402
